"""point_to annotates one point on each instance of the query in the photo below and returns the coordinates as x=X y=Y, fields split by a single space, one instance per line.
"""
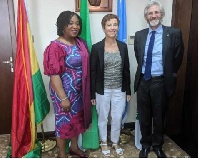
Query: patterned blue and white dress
x=68 y=124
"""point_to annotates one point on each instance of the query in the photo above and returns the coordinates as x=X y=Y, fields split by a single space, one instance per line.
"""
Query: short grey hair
x=162 y=10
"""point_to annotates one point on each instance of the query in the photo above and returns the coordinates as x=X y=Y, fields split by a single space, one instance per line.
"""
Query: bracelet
x=63 y=99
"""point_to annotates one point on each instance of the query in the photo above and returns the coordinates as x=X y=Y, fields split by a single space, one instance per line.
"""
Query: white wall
x=43 y=15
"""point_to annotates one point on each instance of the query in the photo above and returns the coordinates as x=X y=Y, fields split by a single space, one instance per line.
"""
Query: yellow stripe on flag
x=33 y=59
x=32 y=126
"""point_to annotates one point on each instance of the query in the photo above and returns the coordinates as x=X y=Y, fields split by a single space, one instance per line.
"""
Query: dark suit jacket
x=97 y=68
x=172 y=55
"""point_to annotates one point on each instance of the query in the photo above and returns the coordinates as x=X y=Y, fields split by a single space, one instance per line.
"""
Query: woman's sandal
x=104 y=149
x=117 y=149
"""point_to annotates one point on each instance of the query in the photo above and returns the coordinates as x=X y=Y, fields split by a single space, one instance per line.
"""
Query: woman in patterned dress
x=66 y=62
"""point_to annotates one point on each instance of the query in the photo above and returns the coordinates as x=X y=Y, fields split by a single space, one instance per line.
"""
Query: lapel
x=165 y=42
x=143 y=43
x=121 y=52
x=101 y=54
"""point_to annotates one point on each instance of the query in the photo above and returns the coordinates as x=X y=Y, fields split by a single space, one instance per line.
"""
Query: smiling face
x=154 y=16
x=73 y=28
x=111 y=28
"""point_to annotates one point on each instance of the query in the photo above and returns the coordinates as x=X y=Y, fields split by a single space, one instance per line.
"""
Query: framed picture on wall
x=96 y=5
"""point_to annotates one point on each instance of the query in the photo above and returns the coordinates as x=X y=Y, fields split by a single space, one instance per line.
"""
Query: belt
x=157 y=77
x=154 y=77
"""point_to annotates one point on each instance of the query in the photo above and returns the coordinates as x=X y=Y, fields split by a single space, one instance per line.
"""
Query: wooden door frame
x=8 y=44
x=12 y=28
x=181 y=17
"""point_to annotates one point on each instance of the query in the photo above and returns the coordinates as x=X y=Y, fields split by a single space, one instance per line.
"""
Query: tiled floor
x=170 y=148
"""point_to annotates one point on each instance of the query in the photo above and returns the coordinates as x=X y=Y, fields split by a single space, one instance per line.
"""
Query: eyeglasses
x=151 y=13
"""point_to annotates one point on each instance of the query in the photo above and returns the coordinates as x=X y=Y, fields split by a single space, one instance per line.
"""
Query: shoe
x=117 y=149
x=79 y=155
x=104 y=149
x=159 y=152
x=62 y=157
x=144 y=153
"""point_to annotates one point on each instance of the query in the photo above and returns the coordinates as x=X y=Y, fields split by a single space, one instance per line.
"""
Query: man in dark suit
x=159 y=53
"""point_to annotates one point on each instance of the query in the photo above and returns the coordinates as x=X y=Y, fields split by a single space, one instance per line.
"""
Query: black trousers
x=151 y=105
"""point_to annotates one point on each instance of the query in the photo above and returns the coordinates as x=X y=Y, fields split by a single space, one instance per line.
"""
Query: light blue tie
x=147 y=73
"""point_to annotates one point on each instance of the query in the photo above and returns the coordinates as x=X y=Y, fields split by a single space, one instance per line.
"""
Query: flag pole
x=48 y=144
x=43 y=139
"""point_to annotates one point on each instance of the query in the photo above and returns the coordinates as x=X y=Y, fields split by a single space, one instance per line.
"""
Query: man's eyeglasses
x=151 y=13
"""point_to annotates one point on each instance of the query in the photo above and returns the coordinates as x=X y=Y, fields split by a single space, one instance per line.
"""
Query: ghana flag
x=30 y=104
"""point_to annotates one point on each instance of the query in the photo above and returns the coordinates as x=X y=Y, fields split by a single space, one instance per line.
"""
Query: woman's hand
x=128 y=98
x=65 y=104
x=93 y=101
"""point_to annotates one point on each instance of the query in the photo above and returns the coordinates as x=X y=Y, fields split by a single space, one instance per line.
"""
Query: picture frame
x=105 y=6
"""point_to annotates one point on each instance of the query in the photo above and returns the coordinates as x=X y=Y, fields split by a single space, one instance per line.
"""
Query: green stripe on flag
x=41 y=102
x=84 y=13
x=36 y=152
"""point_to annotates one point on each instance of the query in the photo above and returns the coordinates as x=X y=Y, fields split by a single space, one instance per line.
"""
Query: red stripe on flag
x=22 y=92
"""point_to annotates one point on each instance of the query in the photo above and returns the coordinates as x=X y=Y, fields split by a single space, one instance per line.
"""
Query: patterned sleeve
x=54 y=59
